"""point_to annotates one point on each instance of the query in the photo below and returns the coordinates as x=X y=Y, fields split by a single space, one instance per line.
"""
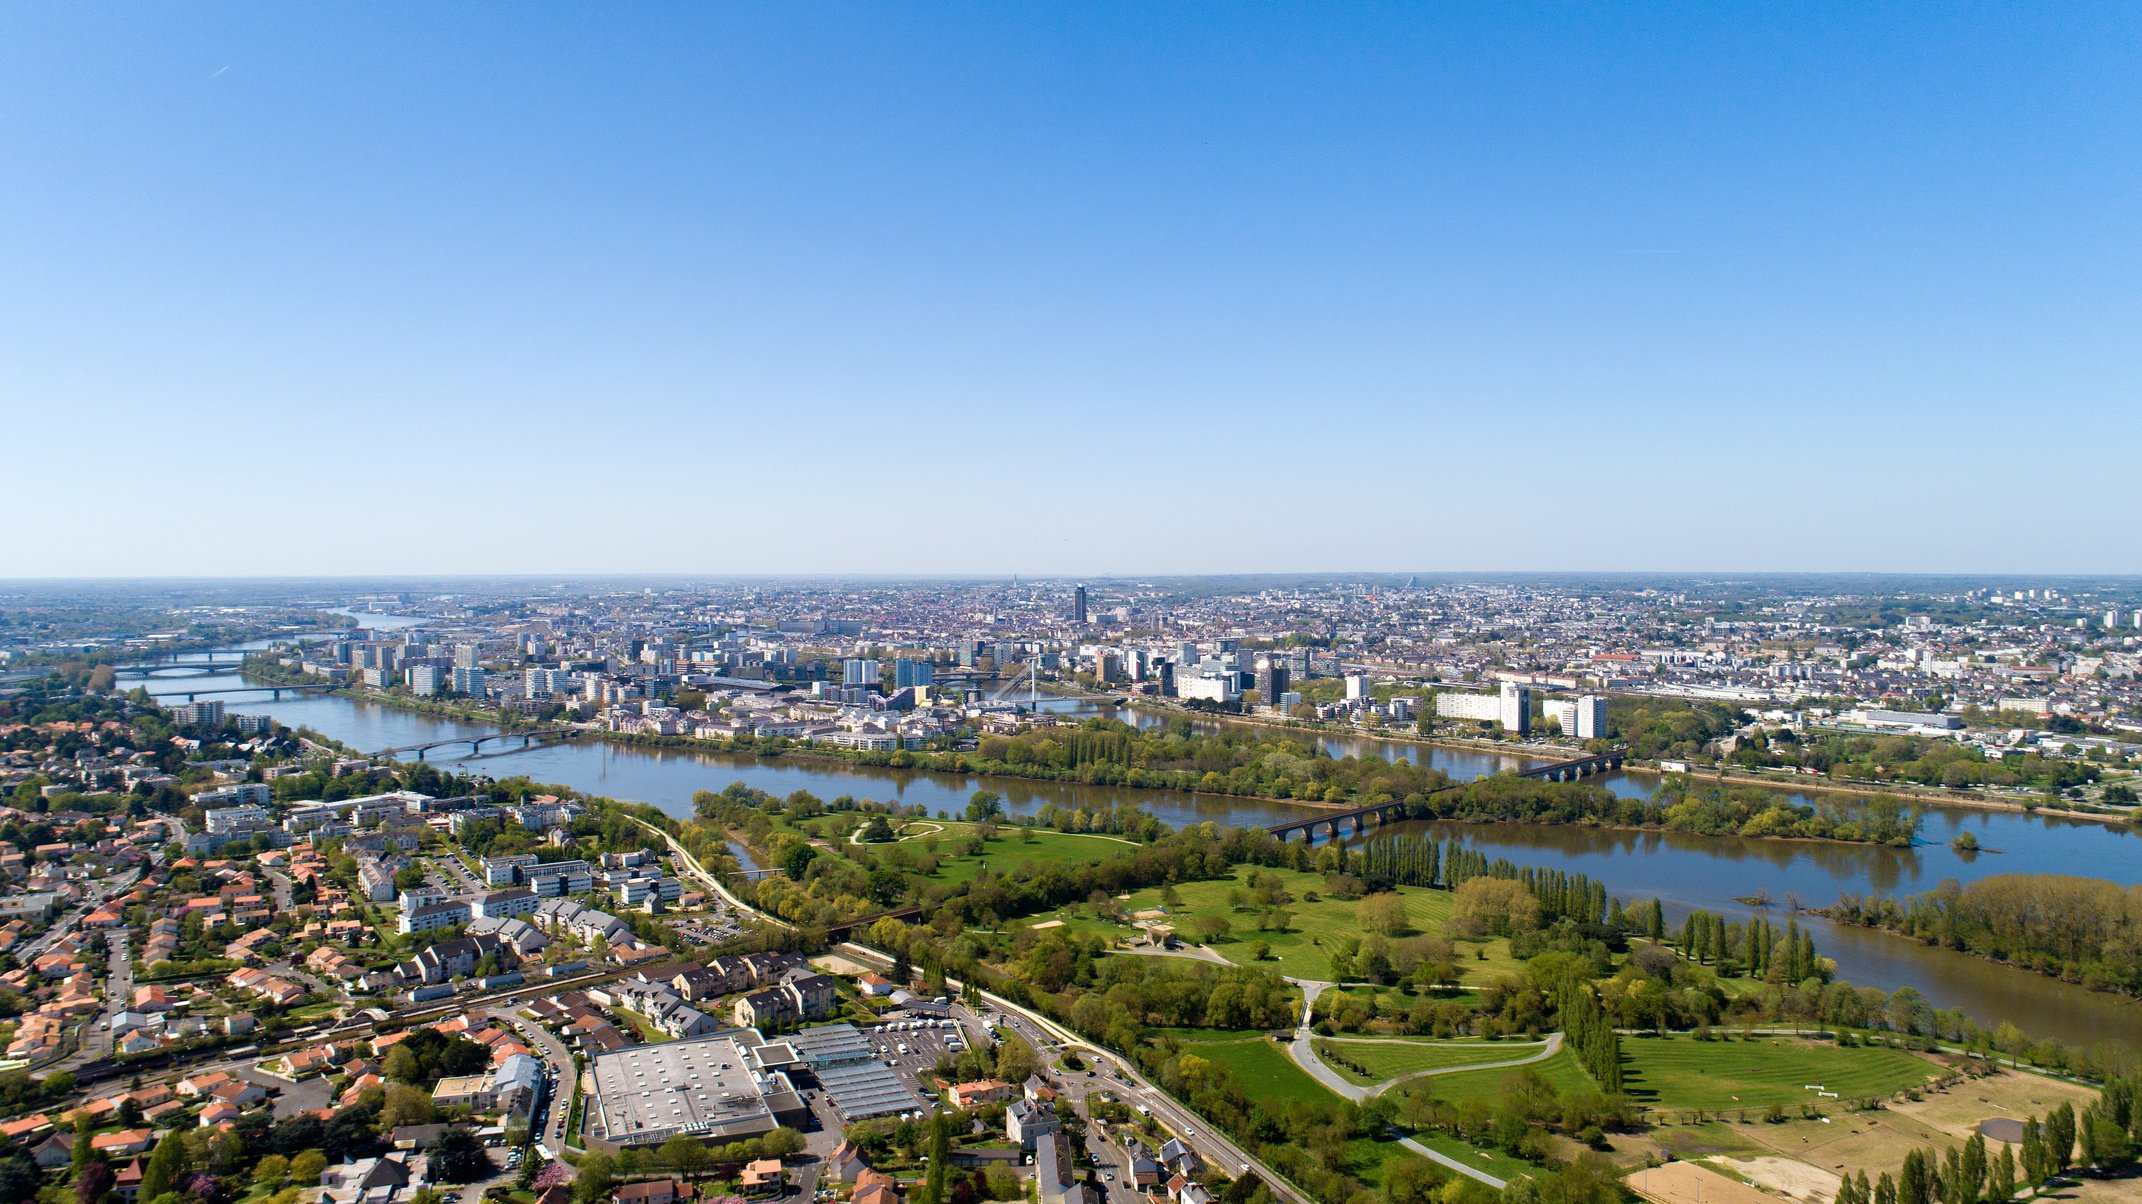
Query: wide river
x=1683 y=871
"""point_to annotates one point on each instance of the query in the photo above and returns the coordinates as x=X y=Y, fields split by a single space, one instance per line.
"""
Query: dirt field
x=2100 y=1191
x=1786 y=1176
x=1958 y=1110
x=1688 y=1183
x=1848 y=1142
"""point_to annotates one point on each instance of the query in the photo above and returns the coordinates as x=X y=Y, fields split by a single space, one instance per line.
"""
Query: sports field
x=1388 y=1058
x=1682 y=1072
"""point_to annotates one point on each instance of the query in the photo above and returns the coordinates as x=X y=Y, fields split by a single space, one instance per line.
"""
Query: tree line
x=2084 y=930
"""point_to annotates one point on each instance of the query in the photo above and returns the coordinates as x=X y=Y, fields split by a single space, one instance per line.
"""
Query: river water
x=1683 y=871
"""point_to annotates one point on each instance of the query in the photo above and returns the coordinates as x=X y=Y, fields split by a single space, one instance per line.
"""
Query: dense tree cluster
x=1589 y=1033
x=1914 y=760
x=1757 y=949
x=1679 y=805
x=2085 y=930
x=1668 y=728
x=1177 y=756
x=426 y=1055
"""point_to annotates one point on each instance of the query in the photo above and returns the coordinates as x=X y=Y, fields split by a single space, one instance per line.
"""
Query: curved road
x=1303 y=1050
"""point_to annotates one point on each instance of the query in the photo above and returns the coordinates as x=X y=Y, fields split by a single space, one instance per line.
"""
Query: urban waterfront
x=1683 y=871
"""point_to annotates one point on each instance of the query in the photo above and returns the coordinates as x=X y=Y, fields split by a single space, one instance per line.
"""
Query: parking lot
x=924 y=1047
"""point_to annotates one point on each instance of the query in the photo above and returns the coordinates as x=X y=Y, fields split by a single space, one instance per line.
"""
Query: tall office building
x=1516 y=709
x=1591 y=717
x=1134 y=663
x=912 y=673
x=1357 y=687
x=859 y=671
x=1078 y=606
x=1271 y=680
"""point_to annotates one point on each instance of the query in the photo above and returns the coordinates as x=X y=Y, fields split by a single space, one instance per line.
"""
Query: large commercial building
x=1511 y=707
x=198 y=714
x=1561 y=712
x=1078 y=606
x=912 y=673
x=1212 y=687
x=720 y=1087
x=542 y=683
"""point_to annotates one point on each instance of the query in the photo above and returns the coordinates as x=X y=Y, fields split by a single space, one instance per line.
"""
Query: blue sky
x=1110 y=288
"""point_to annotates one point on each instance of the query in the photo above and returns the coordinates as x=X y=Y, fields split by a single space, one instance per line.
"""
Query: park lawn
x=1011 y=849
x=1263 y=1068
x=1303 y=951
x=1561 y=1070
x=1494 y=1162
x=1389 y=1057
x=1682 y=1072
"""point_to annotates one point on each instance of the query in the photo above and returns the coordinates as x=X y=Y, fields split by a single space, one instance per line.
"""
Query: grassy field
x=1303 y=951
x=1561 y=1070
x=1254 y=1058
x=1010 y=849
x=1494 y=1162
x=1265 y=1069
x=1389 y=1057
x=1682 y=1072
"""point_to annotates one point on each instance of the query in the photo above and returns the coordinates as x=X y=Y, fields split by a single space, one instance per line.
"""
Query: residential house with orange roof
x=123 y=1144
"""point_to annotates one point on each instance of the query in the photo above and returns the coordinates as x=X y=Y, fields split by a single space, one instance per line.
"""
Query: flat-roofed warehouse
x=865 y=1089
x=859 y=1086
x=713 y=1087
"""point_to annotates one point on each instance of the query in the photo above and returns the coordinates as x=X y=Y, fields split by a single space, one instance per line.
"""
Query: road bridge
x=175 y=669
x=1570 y=771
x=1356 y=821
x=476 y=743
x=277 y=691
